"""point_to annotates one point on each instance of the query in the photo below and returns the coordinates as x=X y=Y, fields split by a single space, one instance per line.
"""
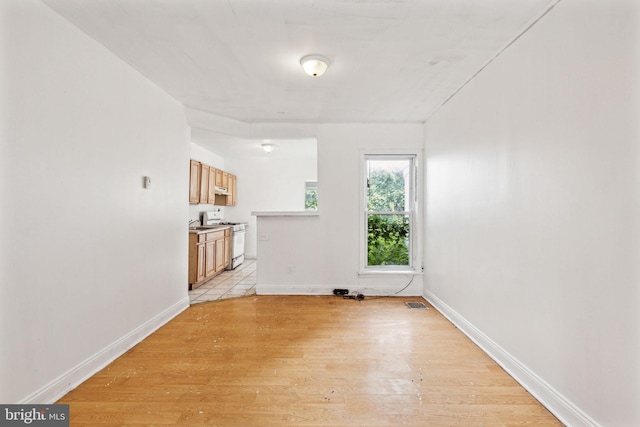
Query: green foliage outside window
x=388 y=234
x=388 y=240
x=311 y=200
x=386 y=191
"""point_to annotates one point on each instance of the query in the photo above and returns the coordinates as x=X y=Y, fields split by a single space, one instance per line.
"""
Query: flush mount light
x=314 y=65
x=268 y=147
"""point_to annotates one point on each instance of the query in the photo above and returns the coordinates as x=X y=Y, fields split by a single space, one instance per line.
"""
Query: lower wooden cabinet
x=220 y=265
x=210 y=259
x=227 y=249
x=200 y=264
x=209 y=255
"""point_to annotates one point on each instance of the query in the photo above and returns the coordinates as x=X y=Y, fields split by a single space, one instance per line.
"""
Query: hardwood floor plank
x=305 y=361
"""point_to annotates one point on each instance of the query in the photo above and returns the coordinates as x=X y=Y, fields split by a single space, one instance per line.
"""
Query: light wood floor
x=305 y=361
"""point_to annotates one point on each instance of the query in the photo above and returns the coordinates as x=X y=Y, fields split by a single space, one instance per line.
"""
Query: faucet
x=194 y=220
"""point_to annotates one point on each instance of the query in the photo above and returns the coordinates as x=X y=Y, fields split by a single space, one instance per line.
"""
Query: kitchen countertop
x=210 y=229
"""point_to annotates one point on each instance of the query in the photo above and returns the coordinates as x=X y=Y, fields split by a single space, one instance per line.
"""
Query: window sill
x=378 y=273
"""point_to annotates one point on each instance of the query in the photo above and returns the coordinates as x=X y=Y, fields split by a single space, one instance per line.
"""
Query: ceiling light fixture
x=268 y=147
x=314 y=65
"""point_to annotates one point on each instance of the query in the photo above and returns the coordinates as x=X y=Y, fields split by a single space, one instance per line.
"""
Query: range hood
x=222 y=190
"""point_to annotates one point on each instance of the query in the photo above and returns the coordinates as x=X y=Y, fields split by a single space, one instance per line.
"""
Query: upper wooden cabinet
x=225 y=180
x=203 y=180
x=194 y=182
x=204 y=183
x=231 y=199
x=211 y=199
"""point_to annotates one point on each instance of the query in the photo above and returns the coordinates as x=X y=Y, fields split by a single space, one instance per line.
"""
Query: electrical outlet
x=264 y=237
x=290 y=269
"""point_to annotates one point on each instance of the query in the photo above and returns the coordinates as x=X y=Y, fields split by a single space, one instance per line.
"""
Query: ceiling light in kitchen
x=314 y=65
x=268 y=147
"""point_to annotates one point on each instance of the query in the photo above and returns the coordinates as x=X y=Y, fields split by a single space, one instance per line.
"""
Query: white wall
x=90 y=261
x=270 y=181
x=533 y=218
x=335 y=252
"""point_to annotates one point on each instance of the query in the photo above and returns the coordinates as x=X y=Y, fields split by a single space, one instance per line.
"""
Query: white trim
x=368 y=290
x=417 y=176
x=567 y=412
x=378 y=273
x=294 y=290
x=80 y=373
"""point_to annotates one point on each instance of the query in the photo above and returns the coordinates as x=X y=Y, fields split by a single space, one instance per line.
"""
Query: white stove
x=238 y=229
x=235 y=226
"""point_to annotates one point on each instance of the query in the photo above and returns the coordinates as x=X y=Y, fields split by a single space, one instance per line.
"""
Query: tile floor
x=228 y=284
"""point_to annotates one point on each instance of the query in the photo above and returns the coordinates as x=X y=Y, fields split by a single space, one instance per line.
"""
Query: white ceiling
x=231 y=147
x=392 y=60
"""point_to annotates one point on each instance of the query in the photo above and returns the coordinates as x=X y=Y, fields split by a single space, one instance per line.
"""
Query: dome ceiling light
x=314 y=65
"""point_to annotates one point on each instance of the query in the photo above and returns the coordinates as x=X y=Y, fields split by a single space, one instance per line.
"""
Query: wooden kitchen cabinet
x=204 y=183
x=210 y=258
x=227 y=248
x=231 y=198
x=225 y=180
x=200 y=268
x=211 y=197
x=220 y=265
x=194 y=182
x=234 y=193
x=209 y=255
x=203 y=180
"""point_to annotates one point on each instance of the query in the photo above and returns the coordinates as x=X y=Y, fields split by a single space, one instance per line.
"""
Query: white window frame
x=415 y=263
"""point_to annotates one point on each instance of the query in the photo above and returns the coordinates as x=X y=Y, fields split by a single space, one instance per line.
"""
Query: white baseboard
x=77 y=375
x=378 y=291
x=556 y=403
x=292 y=290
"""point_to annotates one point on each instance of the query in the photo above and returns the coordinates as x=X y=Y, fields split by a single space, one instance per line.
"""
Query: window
x=389 y=211
x=311 y=195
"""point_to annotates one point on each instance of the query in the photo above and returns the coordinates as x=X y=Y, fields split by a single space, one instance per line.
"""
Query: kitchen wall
x=90 y=261
x=266 y=181
x=532 y=223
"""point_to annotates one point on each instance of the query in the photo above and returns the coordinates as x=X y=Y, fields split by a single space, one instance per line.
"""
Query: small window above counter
x=212 y=186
